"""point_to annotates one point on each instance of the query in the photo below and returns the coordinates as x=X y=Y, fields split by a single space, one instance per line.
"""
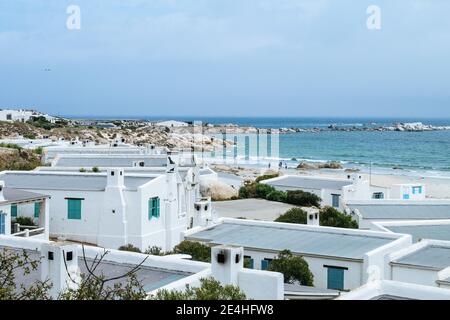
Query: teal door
x=336 y=278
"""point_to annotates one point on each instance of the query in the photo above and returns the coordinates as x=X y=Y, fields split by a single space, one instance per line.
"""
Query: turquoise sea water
x=409 y=151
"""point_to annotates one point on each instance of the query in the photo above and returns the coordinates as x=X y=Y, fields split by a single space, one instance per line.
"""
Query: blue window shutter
x=335 y=278
x=2 y=223
x=153 y=208
x=37 y=209
x=406 y=196
x=157 y=208
x=14 y=210
x=252 y=264
x=74 y=209
x=264 y=264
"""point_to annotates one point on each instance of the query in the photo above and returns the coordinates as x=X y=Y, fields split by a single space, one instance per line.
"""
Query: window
x=335 y=200
x=153 y=208
x=249 y=262
x=335 y=279
x=74 y=209
x=14 y=210
x=378 y=195
x=265 y=264
x=2 y=223
x=37 y=209
x=405 y=196
x=417 y=190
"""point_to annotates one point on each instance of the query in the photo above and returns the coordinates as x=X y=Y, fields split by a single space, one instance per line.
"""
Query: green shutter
x=74 y=209
x=153 y=208
x=37 y=209
x=335 y=278
x=14 y=210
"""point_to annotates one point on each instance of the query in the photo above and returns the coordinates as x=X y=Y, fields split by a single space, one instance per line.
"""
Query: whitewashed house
x=425 y=263
x=369 y=213
x=340 y=259
x=20 y=203
x=394 y=290
x=112 y=209
x=22 y=115
x=418 y=229
x=61 y=262
x=333 y=192
x=172 y=124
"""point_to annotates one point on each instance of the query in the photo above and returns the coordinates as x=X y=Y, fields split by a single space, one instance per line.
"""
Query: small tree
x=303 y=199
x=13 y=263
x=330 y=217
x=155 y=251
x=209 y=289
x=95 y=169
x=294 y=268
x=294 y=215
x=198 y=251
x=24 y=221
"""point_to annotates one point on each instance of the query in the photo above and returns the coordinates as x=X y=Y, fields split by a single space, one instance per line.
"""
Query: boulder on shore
x=217 y=190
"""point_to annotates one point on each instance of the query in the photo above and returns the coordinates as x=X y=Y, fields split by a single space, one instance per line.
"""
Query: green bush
x=155 y=251
x=198 y=251
x=294 y=268
x=95 y=169
x=129 y=247
x=294 y=215
x=24 y=221
x=330 y=217
x=303 y=199
x=262 y=190
x=276 y=195
x=210 y=289
x=82 y=170
x=10 y=146
x=267 y=177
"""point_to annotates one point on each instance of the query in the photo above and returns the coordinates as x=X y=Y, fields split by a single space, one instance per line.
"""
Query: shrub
x=330 y=217
x=196 y=250
x=24 y=221
x=262 y=190
x=276 y=195
x=303 y=199
x=294 y=268
x=155 y=251
x=95 y=169
x=129 y=247
x=39 y=150
x=210 y=289
x=294 y=215
x=10 y=146
x=267 y=177
x=82 y=170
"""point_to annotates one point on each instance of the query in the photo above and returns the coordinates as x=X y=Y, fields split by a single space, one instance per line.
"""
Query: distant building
x=22 y=115
x=418 y=229
x=172 y=124
x=367 y=213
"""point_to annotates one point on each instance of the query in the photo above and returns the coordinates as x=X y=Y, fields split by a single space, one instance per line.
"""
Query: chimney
x=226 y=262
x=202 y=212
x=60 y=266
x=115 y=178
x=2 y=187
x=355 y=177
x=313 y=217
x=171 y=165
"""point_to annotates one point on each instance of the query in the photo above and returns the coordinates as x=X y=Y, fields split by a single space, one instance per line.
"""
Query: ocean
x=424 y=153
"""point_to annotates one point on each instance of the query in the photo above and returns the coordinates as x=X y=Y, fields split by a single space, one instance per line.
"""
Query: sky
x=226 y=58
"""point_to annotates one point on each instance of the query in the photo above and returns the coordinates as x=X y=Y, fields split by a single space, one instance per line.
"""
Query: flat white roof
x=300 y=239
x=67 y=180
x=307 y=182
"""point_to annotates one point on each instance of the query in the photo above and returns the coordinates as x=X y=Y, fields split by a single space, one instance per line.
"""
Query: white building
x=22 y=115
x=418 y=229
x=113 y=209
x=408 y=192
x=340 y=259
x=20 y=203
x=172 y=124
x=156 y=273
x=368 y=213
x=393 y=290
x=425 y=263
x=333 y=192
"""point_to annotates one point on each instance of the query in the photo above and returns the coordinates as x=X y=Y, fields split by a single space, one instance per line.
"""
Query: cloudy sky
x=227 y=58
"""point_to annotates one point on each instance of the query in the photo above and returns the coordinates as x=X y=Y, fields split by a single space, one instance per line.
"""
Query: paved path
x=256 y=209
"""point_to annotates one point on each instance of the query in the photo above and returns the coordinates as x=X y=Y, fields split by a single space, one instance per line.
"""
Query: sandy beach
x=437 y=188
